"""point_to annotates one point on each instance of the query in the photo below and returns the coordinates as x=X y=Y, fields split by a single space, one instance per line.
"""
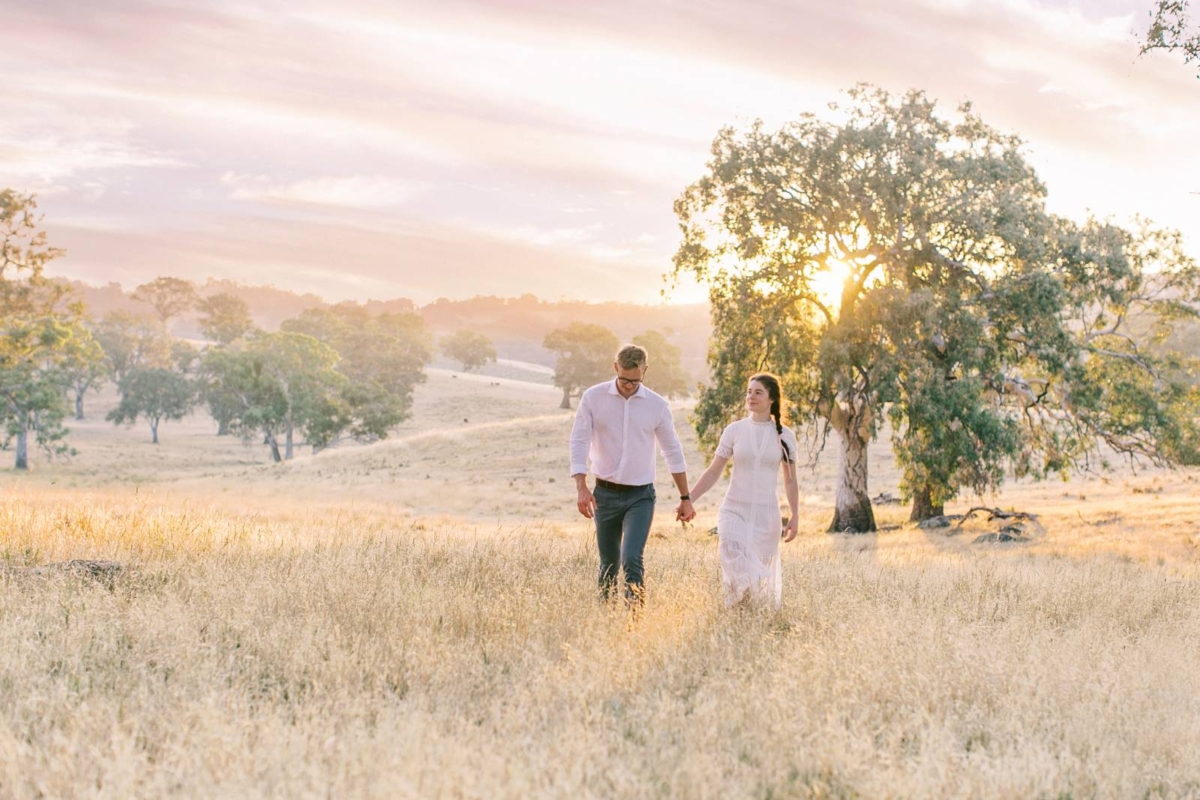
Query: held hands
x=789 y=530
x=685 y=512
x=586 y=502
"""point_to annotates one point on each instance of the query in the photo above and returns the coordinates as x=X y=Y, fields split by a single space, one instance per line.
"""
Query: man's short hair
x=631 y=356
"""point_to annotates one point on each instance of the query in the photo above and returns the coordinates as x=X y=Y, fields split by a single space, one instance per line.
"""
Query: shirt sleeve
x=725 y=446
x=581 y=437
x=668 y=441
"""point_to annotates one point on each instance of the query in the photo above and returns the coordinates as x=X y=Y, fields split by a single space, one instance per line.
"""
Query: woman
x=748 y=523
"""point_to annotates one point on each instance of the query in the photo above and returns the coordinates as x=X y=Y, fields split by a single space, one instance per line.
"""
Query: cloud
x=344 y=261
x=540 y=144
x=356 y=191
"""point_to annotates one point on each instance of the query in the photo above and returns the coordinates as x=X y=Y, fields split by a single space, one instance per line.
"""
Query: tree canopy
x=224 y=317
x=585 y=357
x=895 y=261
x=154 y=394
x=666 y=375
x=37 y=328
x=170 y=297
x=131 y=341
x=382 y=356
x=469 y=348
x=1171 y=30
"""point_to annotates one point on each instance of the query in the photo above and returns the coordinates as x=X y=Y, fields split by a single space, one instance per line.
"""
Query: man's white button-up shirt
x=619 y=434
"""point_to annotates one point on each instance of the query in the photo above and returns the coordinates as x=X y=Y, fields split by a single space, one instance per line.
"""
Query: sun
x=827 y=284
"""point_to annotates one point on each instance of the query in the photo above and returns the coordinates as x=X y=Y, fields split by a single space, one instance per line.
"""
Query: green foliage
x=243 y=397
x=132 y=341
x=224 y=317
x=898 y=262
x=37 y=331
x=1171 y=30
x=184 y=356
x=84 y=365
x=585 y=357
x=1125 y=294
x=469 y=348
x=154 y=394
x=277 y=384
x=169 y=296
x=382 y=357
x=665 y=375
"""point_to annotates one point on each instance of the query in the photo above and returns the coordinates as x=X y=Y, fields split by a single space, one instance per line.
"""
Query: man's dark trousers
x=623 y=520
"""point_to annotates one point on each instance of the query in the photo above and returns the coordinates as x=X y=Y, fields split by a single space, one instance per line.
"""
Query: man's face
x=628 y=380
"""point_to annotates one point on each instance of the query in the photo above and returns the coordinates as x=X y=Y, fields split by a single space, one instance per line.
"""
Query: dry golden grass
x=316 y=630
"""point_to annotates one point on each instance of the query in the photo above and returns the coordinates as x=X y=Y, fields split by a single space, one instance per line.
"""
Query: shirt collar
x=612 y=389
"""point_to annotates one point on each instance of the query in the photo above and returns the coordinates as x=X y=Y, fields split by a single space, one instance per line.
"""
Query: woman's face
x=758 y=399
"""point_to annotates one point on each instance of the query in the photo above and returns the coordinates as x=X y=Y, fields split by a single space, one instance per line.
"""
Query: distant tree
x=85 y=365
x=279 y=384
x=585 y=357
x=169 y=296
x=184 y=356
x=1171 y=30
x=224 y=317
x=37 y=327
x=154 y=394
x=217 y=388
x=132 y=341
x=382 y=357
x=666 y=375
x=469 y=348
x=243 y=398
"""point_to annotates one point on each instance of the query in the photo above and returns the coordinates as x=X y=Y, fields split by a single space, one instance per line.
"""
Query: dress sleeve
x=725 y=446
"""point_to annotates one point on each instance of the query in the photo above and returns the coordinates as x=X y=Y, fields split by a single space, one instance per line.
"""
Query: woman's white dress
x=749 y=523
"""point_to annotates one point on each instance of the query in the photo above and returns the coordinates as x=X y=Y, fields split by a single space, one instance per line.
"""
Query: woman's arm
x=709 y=478
x=792 y=486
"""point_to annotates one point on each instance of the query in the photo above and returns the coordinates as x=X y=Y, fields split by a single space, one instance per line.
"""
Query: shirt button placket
x=624 y=440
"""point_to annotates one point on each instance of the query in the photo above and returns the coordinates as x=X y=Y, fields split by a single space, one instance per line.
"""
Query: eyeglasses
x=628 y=381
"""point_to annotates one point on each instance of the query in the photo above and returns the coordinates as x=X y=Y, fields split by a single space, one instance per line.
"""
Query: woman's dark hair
x=771 y=383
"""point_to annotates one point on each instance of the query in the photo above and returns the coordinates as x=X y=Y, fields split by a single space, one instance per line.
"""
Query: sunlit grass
x=352 y=653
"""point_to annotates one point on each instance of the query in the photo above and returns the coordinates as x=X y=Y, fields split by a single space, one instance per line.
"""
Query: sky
x=372 y=150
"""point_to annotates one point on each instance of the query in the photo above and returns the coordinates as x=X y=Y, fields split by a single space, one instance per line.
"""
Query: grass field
x=416 y=618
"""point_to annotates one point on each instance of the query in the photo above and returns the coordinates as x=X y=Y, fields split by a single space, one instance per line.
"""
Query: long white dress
x=749 y=523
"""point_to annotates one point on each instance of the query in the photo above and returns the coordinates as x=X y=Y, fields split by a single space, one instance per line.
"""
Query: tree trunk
x=852 y=504
x=288 y=443
x=923 y=507
x=566 y=401
x=269 y=439
x=23 y=450
x=222 y=427
x=153 y=431
x=78 y=404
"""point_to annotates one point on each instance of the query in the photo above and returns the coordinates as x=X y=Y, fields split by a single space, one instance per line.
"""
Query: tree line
x=328 y=373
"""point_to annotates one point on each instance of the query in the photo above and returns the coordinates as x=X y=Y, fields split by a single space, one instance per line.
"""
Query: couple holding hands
x=616 y=426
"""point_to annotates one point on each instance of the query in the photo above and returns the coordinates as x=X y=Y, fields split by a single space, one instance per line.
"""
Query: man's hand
x=586 y=502
x=789 y=530
x=685 y=512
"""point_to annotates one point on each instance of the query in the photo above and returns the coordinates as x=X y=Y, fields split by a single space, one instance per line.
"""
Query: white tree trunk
x=852 y=502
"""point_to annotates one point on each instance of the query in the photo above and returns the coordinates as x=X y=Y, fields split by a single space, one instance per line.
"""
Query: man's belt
x=618 y=487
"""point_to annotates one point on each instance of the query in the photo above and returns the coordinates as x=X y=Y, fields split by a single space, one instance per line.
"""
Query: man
x=617 y=424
